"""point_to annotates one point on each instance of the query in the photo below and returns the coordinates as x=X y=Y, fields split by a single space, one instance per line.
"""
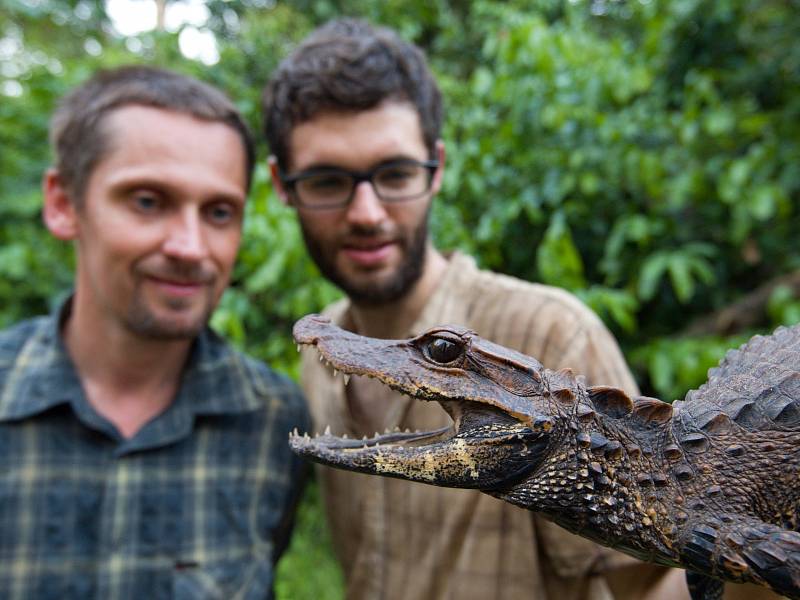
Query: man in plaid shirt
x=140 y=455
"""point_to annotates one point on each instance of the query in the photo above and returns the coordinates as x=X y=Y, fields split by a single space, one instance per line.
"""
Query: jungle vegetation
x=643 y=154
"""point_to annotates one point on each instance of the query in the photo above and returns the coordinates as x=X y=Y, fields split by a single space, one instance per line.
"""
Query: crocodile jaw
x=445 y=461
x=486 y=448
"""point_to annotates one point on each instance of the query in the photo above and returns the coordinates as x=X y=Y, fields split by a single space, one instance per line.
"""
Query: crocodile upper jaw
x=485 y=447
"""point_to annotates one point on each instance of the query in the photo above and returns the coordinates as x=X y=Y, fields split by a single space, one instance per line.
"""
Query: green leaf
x=557 y=259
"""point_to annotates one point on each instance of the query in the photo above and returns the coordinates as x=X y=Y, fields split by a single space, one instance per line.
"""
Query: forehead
x=163 y=142
x=145 y=128
x=359 y=139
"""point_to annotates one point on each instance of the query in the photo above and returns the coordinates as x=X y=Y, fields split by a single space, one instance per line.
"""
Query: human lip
x=176 y=287
x=369 y=254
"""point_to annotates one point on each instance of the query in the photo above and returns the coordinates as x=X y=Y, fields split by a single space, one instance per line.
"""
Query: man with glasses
x=353 y=120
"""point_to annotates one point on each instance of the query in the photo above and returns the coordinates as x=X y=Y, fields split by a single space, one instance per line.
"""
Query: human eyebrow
x=124 y=187
x=399 y=159
x=315 y=168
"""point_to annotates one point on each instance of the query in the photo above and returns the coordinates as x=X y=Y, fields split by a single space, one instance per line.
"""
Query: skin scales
x=709 y=484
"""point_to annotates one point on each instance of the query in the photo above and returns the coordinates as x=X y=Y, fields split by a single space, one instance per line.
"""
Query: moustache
x=178 y=272
x=359 y=234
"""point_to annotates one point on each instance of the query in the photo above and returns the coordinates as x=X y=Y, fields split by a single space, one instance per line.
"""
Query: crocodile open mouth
x=484 y=446
x=395 y=437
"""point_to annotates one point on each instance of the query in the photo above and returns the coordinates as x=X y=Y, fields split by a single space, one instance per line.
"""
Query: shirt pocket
x=245 y=579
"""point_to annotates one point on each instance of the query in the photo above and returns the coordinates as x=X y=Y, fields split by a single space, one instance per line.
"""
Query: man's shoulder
x=14 y=338
x=265 y=379
x=520 y=295
x=268 y=387
x=24 y=349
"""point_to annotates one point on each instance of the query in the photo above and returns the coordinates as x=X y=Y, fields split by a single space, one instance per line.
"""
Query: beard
x=145 y=322
x=374 y=293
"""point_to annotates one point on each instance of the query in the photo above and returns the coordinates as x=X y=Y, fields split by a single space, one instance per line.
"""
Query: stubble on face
x=188 y=320
x=373 y=292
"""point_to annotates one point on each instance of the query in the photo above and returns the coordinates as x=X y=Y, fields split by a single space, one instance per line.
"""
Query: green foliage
x=675 y=366
x=783 y=306
x=644 y=155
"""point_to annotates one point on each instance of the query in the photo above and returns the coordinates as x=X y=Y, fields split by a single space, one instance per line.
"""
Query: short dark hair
x=80 y=141
x=348 y=65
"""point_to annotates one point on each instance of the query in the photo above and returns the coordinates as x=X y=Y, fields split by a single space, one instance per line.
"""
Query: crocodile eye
x=444 y=351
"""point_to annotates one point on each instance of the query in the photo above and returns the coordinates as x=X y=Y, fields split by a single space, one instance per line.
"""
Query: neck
x=127 y=378
x=394 y=319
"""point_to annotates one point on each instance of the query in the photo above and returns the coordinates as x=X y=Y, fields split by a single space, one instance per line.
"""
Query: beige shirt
x=399 y=540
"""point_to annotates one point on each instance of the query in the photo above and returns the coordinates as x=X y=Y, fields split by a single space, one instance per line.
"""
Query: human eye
x=145 y=202
x=326 y=182
x=397 y=175
x=221 y=213
x=324 y=188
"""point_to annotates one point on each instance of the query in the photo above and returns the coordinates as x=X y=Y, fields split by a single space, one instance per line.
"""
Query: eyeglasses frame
x=358 y=177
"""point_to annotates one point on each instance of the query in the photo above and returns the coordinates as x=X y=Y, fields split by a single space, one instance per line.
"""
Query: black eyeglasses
x=330 y=187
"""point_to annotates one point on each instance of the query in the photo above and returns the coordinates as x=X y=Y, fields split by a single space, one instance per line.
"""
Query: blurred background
x=643 y=154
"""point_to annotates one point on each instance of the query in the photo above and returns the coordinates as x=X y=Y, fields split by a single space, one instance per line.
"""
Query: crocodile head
x=497 y=436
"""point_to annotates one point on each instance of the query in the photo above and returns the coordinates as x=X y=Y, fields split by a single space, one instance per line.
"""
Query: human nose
x=365 y=208
x=185 y=238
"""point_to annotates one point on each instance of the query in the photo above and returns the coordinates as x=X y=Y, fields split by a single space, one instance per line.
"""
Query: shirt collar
x=216 y=380
x=42 y=375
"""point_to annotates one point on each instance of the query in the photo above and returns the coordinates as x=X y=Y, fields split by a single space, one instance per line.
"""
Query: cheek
x=118 y=235
x=320 y=225
x=225 y=246
x=109 y=250
x=409 y=215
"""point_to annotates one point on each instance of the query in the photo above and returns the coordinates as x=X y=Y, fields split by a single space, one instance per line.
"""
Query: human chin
x=382 y=290
x=173 y=320
x=372 y=286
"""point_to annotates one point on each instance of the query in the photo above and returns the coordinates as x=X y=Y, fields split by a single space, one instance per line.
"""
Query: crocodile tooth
x=344 y=436
x=295 y=431
x=328 y=430
x=335 y=372
x=321 y=358
x=346 y=378
x=298 y=347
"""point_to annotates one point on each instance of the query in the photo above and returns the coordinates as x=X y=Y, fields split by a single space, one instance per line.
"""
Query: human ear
x=59 y=212
x=436 y=182
x=274 y=172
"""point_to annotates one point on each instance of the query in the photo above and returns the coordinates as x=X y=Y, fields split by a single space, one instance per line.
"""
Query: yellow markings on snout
x=415 y=468
x=462 y=456
x=430 y=466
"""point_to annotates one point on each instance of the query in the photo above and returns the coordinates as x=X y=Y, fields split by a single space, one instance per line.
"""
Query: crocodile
x=709 y=483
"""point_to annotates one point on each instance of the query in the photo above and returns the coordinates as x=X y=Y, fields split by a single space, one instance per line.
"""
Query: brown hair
x=348 y=65
x=76 y=129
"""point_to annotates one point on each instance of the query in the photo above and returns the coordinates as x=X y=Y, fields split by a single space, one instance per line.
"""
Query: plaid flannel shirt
x=196 y=505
